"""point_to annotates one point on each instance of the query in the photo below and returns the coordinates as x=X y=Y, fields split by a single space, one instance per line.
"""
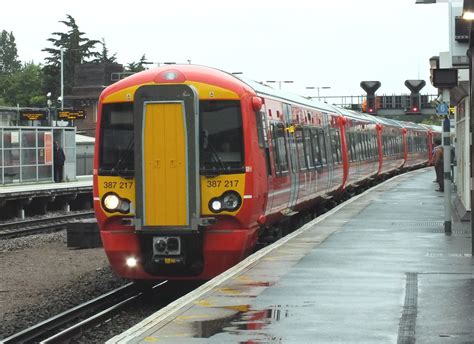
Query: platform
x=376 y=269
x=24 y=200
x=83 y=183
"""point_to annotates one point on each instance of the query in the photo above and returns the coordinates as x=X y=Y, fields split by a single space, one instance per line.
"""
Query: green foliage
x=433 y=120
x=135 y=67
x=76 y=50
x=9 y=62
x=103 y=57
x=24 y=87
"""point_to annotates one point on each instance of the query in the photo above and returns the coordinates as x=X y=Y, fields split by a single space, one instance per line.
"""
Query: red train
x=194 y=165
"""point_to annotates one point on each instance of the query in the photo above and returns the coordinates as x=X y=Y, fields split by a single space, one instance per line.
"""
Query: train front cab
x=175 y=216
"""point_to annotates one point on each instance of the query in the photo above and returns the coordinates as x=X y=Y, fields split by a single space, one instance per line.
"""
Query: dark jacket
x=59 y=156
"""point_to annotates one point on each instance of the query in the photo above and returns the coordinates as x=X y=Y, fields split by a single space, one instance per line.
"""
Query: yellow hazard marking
x=241 y=308
x=190 y=317
x=150 y=339
x=203 y=303
x=229 y=291
x=245 y=278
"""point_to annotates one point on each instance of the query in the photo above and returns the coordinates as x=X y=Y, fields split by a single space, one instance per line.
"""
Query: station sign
x=71 y=114
x=33 y=115
x=442 y=109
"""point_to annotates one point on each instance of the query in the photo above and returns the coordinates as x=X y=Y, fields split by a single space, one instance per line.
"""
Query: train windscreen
x=221 y=144
x=116 y=140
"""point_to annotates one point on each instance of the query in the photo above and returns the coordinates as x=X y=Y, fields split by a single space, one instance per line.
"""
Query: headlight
x=216 y=205
x=112 y=203
x=228 y=201
x=231 y=200
x=131 y=262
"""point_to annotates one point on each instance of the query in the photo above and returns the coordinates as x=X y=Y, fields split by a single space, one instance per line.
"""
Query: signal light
x=371 y=110
x=414 y=109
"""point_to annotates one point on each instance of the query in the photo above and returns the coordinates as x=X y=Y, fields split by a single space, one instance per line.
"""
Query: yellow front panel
x=124 y=188
x=164 y=157
x=216 y=186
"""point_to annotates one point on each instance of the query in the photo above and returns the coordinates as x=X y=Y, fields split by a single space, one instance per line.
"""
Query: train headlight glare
x=111 y=202
x=131 y=262
x=228 y=201
x=114 y=203
x=216 y=205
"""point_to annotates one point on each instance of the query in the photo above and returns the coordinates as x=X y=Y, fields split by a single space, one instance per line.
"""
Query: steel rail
x=26 y=227
x=52 y=330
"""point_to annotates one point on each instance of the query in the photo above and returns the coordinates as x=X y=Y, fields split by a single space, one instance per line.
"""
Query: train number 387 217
x=118 y=185
x=224 y=183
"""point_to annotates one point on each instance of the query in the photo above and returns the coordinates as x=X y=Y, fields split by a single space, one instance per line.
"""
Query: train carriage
x=194 y=165
x=362 y=147
x=418 y=143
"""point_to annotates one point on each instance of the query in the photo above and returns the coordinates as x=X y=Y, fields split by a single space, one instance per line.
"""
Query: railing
x=357 y=103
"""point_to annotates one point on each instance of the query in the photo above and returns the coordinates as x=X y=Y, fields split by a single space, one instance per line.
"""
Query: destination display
x=71 y=114
x=33 y=115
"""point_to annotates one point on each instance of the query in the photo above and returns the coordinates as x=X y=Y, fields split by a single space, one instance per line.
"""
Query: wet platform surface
x=13 y=191
x=377 y=269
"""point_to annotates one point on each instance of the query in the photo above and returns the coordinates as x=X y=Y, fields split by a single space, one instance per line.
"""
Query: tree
x=76 y=50
x=25 y=87
x=135 y=67
x=103 y=57
x=9 y=62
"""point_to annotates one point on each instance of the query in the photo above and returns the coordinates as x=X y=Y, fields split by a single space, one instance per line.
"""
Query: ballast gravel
x=42 y=277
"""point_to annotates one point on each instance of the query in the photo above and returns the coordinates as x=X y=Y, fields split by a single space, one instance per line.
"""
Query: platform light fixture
x=468 y=10
x=279 y=82
x=318 y=88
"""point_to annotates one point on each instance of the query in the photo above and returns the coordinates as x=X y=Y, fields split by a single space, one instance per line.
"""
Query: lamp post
x=451 y=24
x=49 y=103
x=62 y=78
x=279 y=82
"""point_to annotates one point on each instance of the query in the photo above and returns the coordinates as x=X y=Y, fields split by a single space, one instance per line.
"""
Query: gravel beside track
x=42 y=277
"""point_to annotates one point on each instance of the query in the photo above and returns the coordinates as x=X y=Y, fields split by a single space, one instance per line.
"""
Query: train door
x=329 y=148
x=290 y=132
x=166 y=158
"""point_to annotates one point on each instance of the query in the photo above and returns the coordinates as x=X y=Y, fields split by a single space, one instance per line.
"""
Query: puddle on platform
x=246 y=322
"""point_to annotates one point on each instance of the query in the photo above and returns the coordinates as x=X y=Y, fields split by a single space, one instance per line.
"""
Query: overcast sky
x=335 y=43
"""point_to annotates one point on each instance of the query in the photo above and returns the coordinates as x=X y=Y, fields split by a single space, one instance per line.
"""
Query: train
x=194 y=167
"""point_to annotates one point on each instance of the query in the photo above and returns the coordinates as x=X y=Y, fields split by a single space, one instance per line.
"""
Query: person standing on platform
x=436 y=144
x=438 y=163
x=58 y=159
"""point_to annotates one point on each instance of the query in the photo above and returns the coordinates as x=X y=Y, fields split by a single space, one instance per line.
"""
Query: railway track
x=73 y=322
x=38 y=225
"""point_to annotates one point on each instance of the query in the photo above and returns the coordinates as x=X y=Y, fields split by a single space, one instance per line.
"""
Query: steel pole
x=447 y=174
x=62 y=79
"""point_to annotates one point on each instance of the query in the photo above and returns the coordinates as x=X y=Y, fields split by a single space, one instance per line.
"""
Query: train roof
x=264 y=89
x=356 y=115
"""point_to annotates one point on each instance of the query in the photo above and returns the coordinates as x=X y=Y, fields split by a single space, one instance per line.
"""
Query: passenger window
x=261 y=129
x=300 y=148
x=308 y=151
x=279 y=147
x=322 y=147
